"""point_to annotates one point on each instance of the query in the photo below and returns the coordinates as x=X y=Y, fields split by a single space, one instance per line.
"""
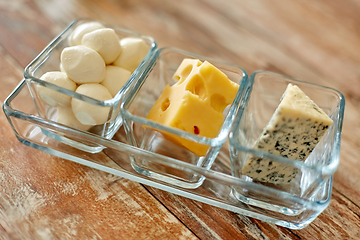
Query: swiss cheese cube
x=292 y=132
x=195 y=103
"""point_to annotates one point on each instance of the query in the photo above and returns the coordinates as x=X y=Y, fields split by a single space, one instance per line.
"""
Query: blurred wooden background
x=44 y=197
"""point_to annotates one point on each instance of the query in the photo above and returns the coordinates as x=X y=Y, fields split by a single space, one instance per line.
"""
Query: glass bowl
x=313 y=180
x=152 y=136
x=49 y=60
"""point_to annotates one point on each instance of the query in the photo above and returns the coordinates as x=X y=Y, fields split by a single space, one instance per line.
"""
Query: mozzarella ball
x=133 y=52
x=89 y=114
x=83 y=64
x=78 y=33
x=52 y=97
x=65 y=115
x=105 y=42
x=115 y=78
x=61 y=68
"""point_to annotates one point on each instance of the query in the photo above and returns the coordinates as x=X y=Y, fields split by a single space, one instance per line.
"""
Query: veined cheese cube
x=195 y=103
x=292 y=132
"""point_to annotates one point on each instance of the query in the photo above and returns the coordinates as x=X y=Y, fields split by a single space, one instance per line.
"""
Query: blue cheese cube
x=292 y=132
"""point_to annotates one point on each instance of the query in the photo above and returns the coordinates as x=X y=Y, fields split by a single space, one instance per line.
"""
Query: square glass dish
x=313 y=177
x=176 y=142
x=56 y=102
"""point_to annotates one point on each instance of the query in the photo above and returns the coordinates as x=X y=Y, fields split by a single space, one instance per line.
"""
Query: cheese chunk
x=65 y=115
x=54 y=98
x=76 y=36
x=105 y=42
x=133 y=52
x=115 y=78
x=87 y=113
x=195 y=103
x=292 y=132
x=83 y=64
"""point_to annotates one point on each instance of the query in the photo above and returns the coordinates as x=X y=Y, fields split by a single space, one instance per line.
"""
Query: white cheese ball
x=52 y=97
x=89 y=114
x=105 y=42
x=76 y=36
x=115 y=78
x=61 y=68
x=133 y=52
x=65 y=115
x=83 y=64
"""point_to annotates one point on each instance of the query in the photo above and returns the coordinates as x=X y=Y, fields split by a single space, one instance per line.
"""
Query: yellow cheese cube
x=195 y=103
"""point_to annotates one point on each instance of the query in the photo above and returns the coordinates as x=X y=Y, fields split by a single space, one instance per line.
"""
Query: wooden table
x=44 y=197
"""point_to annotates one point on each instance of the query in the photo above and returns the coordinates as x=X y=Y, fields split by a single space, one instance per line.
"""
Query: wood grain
x=44 y=197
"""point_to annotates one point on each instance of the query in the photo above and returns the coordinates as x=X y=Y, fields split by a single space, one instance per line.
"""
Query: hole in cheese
x=179 y=125
x=218 y=102
x=184 y=74
x=165 y=104
x=186 y=71
x=197 y=87
x=196 y=130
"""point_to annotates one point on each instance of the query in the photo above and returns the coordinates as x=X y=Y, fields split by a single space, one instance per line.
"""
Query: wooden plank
x=207 y=222
x=24 y=32
x=11 y=74
x=336 y=222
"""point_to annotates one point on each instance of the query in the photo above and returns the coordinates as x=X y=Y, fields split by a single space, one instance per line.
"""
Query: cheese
x=195 y=103
x=115 y=78
x=65 y=115
x=88 y=67
x=133 y=52
x=52 y=97
x=292 y=132
x=83 y=64
x=105 y=42
x=87 y=113
x=76 y=36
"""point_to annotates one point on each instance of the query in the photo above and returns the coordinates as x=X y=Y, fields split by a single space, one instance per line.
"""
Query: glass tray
x=217 y=181
x=216 y=189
